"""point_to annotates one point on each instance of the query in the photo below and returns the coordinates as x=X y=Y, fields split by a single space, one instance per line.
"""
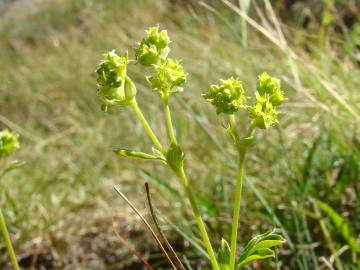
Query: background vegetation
x=303 y=178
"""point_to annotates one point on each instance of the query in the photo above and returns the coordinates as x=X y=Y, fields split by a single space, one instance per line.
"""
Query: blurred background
x=303 y=176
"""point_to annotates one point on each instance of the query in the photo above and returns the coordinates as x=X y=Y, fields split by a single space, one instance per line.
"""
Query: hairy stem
x=146 y=125
x=199 y=221
x=6 y=236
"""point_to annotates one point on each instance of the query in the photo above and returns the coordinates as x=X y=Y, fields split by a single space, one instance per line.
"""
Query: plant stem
x=185 y=183
x=169 y=124
x=235 y=221
x=200 y=223
x=238 y=191
x=6 y=236
x=146 y=125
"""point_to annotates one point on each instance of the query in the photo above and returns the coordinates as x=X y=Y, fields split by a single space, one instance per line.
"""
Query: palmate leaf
x=259 y=247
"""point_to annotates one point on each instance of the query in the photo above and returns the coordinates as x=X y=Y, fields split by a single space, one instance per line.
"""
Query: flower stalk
x=6 y=236
x=168 y=120
x=199 y=221
x=238 y=191
x=146 y=125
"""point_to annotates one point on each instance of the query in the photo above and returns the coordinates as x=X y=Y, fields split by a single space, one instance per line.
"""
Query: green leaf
x=261 y=254
x=224 y=255
x=259 y=247
x=136 y=155
x=175 y=157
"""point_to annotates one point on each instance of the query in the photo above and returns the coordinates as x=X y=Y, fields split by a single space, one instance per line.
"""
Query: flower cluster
x=8 y=142
x=114 y=86
x=153 y=48
x=268 y=98
x=169 y=77
x=228 y=97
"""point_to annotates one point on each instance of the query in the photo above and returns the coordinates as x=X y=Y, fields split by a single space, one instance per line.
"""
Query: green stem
x=169 y=124
x=6 y=236
x=235 y=221
x=185 y=183
x=146 y=125
x=238 y=191
x=200 y=223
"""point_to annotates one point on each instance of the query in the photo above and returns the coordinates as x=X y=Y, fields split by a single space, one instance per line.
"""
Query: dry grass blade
x=131 y=250
x=162 y=235
x=147 y=226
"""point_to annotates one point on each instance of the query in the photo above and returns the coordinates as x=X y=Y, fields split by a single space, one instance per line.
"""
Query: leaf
x=136 y=155
x=175 y=157
x=223 y=255
x=340 y=224
x=259 y=246
x=261 y=254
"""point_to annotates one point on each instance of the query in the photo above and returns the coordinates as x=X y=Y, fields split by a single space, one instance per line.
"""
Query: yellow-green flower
x=154 y=47
x=268 y=97
x=269 y=87
x=8 y=142
x=263 y=113
x=228 y=97
x=169 y=77
x=114 y=87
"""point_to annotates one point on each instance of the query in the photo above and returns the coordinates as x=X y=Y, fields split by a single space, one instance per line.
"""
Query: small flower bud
x=153 y=48
x=228 y=97
x=8 y=142
x=169 y=77
x=114 y=87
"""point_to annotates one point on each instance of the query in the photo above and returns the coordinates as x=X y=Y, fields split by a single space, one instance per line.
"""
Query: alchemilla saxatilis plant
x=115 y=88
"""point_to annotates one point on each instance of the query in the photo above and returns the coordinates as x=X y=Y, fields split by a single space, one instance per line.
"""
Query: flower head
x=228 y=97
x=263 y=113
x=169 y=77
x=268 y=98
x=114 y=87
x=154 y=47
x=8 y=142
x=269 y=87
